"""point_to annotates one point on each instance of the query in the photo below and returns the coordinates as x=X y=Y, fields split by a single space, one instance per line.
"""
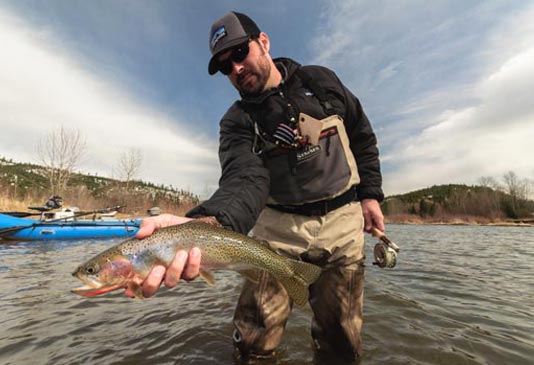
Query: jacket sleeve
x=244 y=183
x=363 y=144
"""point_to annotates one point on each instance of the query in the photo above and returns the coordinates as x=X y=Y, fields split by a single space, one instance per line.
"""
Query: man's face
x=251 y=74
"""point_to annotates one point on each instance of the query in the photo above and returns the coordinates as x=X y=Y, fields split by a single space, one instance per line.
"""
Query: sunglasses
x=237 y=55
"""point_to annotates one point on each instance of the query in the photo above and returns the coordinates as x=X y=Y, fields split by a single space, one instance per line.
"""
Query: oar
x=6 y=231
x=20 y=214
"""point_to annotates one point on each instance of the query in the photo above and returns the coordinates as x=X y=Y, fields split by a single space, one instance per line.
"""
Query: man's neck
x=275 y=78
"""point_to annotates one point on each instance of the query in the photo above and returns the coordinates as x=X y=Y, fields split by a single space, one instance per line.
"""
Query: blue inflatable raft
x=25 y=229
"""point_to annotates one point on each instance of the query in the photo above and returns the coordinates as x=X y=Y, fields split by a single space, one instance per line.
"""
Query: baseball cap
x=231 y=30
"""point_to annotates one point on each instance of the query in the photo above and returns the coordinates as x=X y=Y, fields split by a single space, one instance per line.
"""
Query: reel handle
x=375 y=232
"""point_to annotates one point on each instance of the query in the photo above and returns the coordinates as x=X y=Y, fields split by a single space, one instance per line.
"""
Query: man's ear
x=263 y=39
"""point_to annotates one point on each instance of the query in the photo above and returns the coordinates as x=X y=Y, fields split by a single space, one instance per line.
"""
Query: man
x=300 y=168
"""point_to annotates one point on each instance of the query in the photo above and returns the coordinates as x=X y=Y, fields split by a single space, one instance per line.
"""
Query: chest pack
x=307 y=162
x=265 y=139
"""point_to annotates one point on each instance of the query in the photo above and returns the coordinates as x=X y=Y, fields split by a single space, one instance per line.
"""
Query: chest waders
x=323 y=226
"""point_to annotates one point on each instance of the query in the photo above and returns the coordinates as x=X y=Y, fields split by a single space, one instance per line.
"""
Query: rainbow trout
x=128 y=263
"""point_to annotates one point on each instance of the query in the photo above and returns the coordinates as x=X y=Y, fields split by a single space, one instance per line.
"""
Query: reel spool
x=385 y=252
x=385 y=256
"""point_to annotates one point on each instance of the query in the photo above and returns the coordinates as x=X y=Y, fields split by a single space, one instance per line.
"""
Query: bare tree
x=489 y=182
x=60 y=151
x=129 y=164
x=518 y=189
x=515 y=186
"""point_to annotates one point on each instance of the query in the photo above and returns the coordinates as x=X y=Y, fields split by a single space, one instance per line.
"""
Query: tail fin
x=304 y=274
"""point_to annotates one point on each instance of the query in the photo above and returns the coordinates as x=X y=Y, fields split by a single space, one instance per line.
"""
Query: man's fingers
x=149 y=225
x=368 y=221
x=129 y=293
x=153 y=281
x=175 y=269
x=193 y=264
x=146 y=228
x=381 y=225
x=378 y=220
x=372 y=215
x=182 y=266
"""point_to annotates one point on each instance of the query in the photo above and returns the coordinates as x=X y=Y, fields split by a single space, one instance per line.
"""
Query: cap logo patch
x=217 y=36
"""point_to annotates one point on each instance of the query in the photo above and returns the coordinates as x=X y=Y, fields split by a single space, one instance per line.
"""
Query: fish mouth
x=90 y=291
x=93 y=288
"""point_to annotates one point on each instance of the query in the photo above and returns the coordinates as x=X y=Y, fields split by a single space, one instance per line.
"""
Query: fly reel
x=385 y=252
x=385 y=256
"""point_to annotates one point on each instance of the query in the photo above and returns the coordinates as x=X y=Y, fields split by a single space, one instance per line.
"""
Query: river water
x=459 y=295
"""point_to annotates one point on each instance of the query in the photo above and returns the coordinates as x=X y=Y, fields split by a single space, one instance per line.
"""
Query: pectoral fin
x=136 y=288
x=208 y=277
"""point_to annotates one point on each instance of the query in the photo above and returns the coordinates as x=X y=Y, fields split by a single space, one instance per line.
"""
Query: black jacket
x=245 y=183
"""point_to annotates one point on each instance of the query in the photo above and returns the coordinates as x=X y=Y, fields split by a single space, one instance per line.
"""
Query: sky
x=448 y=85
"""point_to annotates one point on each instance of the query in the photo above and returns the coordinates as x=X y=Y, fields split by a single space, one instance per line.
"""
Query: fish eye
x=90 y=270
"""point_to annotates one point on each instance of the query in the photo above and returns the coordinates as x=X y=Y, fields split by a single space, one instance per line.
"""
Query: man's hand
x=185 y=266
x=372 y=215
x=149 y=225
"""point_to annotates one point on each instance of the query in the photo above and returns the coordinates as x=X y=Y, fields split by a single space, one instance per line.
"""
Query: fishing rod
x=4 y=232
x=21 y=214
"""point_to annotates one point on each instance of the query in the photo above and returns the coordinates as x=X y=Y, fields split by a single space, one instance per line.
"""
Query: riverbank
x=458 y=221
x=138 y=209
x=10 y=205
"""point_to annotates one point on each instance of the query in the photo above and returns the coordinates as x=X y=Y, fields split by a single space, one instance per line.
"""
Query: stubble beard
x=262 y=76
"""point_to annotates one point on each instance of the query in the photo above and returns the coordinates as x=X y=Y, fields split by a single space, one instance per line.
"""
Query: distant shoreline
x=464 y=223
x=7 y=205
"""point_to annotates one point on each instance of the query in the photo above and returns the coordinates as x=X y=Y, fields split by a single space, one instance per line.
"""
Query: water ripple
x=459 y=295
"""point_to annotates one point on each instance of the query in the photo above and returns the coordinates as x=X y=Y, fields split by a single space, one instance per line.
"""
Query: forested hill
x=29 y=183
x=446 y=201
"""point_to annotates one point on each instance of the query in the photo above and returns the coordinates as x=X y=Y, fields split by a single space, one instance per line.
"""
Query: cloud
x=43 y=87
x=488 y=139
x=447 y=85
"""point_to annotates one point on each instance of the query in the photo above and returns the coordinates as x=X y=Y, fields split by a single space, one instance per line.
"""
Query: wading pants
x=335 y=242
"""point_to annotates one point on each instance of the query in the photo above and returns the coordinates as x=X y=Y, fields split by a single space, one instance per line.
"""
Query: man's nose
x=237 y=68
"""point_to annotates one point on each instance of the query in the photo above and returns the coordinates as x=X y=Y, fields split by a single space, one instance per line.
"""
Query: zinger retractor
x=385 y=252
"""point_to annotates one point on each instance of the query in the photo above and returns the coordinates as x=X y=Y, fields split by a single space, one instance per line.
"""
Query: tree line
x=491 y=199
